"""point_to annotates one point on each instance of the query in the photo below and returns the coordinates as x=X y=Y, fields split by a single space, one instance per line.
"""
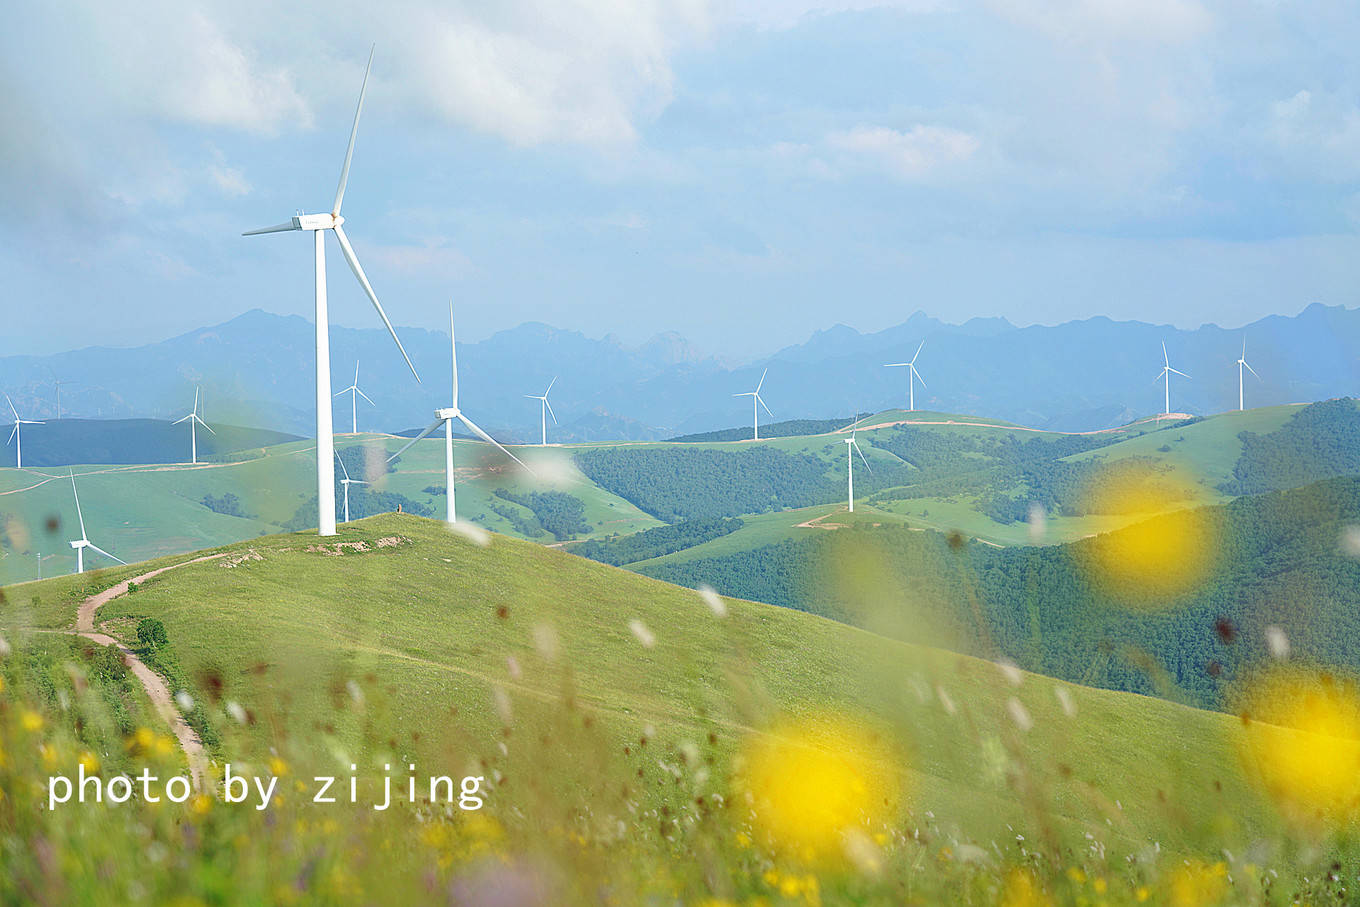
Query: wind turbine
x=354 y=395
x=1243 y=364
x=194 y=421
x=346 y=482
x=545 y=408
x=318 y=224
x=850 y=462
x=912 y=376
x=756 y=399
x=82 y=543
x=17 y=436
x=445 y=418
x=1166 y=374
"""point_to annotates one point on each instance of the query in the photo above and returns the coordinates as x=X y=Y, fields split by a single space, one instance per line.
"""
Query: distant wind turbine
x=194 y=421
x=850 y=442
x=545 y=408
x=83 y=542
x=445 y=418
x=17 y=435
x=1243 y=364
x=912 y=376
x=319 y=224
x=354 y=395
x=1166 y=374
x=346 y=482
x=756 y=399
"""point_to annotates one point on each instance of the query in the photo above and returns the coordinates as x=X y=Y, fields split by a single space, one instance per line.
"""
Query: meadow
x=641 y=743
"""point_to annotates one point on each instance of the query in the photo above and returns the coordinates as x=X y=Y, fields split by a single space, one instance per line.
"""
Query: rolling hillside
x=589 y=692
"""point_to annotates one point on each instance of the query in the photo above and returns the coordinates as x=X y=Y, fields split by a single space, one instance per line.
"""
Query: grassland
x=615 y=716
x=141 y=512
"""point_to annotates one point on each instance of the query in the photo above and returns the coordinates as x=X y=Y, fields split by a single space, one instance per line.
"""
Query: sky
x=744 y=172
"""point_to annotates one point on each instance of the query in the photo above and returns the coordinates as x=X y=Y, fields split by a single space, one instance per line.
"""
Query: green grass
x=517 y=662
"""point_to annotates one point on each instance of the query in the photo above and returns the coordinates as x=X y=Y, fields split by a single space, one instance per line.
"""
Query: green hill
x=610 y=712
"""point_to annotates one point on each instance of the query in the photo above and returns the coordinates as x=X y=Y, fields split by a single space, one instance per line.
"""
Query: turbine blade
x=13 y=433
x=420 y=437
x=896 y=364
x=342 y=465
x=762 y=381
x=277 y=228
x=855 y=445
x=453 y=355
x=79 y=515
x=196 y=401
x=1249 y=368
x=185 y=419
x=32 y=422
x=485 y=437
x=918 y=351
x=550 y=386
x=353 y=132
x=365 y=396
x=1177 y=371
x=550 y=411
x=761 y=401
x=918 y=376
x=342 y=393
x=11 y=407
x=354 y=266
x=204 y=424
x=95 y=547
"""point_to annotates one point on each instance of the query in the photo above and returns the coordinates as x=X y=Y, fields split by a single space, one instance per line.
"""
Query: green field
x=613 y=710
x=140 y=512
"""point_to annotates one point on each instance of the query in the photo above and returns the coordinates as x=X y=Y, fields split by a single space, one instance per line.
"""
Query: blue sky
x=744 y=173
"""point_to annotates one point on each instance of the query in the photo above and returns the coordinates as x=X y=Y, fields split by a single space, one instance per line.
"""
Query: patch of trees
x=557 y=512
x=676 y=484
x=1271 y=560
x=362 y=502
x=655 y=542
x=1318 y=442
x=788 y=429
x=227 y=504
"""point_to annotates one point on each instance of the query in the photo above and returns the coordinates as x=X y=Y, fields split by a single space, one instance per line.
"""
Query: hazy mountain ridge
x=256 y=369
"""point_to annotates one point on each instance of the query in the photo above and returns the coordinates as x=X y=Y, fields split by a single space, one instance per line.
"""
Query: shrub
x=151 y=633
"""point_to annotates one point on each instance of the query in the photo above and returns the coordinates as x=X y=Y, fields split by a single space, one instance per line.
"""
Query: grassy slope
x=419 y=628
x=139 y=512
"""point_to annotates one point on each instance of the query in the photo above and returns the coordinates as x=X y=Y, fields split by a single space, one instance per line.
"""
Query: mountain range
x=1081 y=375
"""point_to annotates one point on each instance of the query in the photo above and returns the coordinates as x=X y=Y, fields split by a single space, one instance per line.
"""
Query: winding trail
x=152 y=683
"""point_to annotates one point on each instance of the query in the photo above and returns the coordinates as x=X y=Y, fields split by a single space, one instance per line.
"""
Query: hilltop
x=456 y=648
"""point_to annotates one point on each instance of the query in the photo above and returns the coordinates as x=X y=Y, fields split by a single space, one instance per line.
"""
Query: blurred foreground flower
x=813 y=783
x=1303 y=743
x=1155 y=558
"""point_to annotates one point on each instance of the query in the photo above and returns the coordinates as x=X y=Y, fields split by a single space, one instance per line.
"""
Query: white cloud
x=1320 y=131
x=1087 y=21
x=229 y=181
x=436 y=257
x=909 y=155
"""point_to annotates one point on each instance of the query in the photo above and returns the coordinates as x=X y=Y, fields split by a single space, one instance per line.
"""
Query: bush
x=151 y=633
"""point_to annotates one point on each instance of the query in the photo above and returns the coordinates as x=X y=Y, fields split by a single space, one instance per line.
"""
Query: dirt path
x=151 y=682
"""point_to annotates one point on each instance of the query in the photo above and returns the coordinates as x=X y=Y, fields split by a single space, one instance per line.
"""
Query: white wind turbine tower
x=318 y=224
x=1166 y=374
x=1243 y=364
x=912 y=377
x=850 y=442
x=17 y=435
x=545 y=408
x=756 y=399
x=83 y=542
x=354 y=395
x=445 y=418
x=194 y=421
x=346 y=482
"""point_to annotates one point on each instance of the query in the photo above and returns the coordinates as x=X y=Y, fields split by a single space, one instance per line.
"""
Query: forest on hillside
x=1274 y=560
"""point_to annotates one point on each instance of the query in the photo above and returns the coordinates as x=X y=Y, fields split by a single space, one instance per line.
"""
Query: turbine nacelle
x=450 y=412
